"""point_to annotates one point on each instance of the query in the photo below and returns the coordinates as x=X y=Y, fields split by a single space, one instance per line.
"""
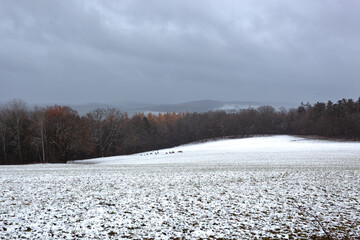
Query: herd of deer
x=157 y=152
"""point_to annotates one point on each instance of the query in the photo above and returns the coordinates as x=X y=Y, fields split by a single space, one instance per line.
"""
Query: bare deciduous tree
x=4 y=131
x=38 y=120
x=106 y=125
x=18 y=116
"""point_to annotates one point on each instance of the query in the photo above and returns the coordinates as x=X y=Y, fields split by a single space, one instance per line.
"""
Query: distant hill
x=83 y=109
x=238 y=105
x=194 y=106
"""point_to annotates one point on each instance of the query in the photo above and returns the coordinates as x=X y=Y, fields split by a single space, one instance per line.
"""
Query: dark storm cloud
x=174 y=51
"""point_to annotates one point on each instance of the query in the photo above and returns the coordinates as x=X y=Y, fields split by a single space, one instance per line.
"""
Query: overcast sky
x=163 y=51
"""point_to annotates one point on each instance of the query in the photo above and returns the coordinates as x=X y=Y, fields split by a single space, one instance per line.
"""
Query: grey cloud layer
x=173 y=51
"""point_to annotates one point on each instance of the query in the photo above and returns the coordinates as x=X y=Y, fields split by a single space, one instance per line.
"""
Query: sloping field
x=279 y=187
x=256 y=151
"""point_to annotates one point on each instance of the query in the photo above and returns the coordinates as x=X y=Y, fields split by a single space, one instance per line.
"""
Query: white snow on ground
x=268 y=150
x=232 y=189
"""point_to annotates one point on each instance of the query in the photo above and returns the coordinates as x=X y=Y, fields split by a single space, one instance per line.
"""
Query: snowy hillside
x=267 y=150
x=278 y=187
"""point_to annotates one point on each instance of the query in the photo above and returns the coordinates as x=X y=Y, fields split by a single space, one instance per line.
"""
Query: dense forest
x=56 y=134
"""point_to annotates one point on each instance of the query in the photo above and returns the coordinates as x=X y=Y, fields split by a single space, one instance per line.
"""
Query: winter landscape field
x=272 y=187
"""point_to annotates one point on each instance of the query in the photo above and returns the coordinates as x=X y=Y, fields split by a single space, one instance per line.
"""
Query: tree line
x=56 y=134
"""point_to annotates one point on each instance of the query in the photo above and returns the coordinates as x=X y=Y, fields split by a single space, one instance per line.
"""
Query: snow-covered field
x=277 y=187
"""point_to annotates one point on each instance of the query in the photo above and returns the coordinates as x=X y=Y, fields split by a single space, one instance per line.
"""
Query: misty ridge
x=200 y=106
x=57 y=134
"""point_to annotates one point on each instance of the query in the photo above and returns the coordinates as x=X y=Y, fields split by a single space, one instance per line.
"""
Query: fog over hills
x=193 y=106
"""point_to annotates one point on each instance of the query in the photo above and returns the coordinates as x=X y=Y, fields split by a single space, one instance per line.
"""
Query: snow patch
x=263 y=187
